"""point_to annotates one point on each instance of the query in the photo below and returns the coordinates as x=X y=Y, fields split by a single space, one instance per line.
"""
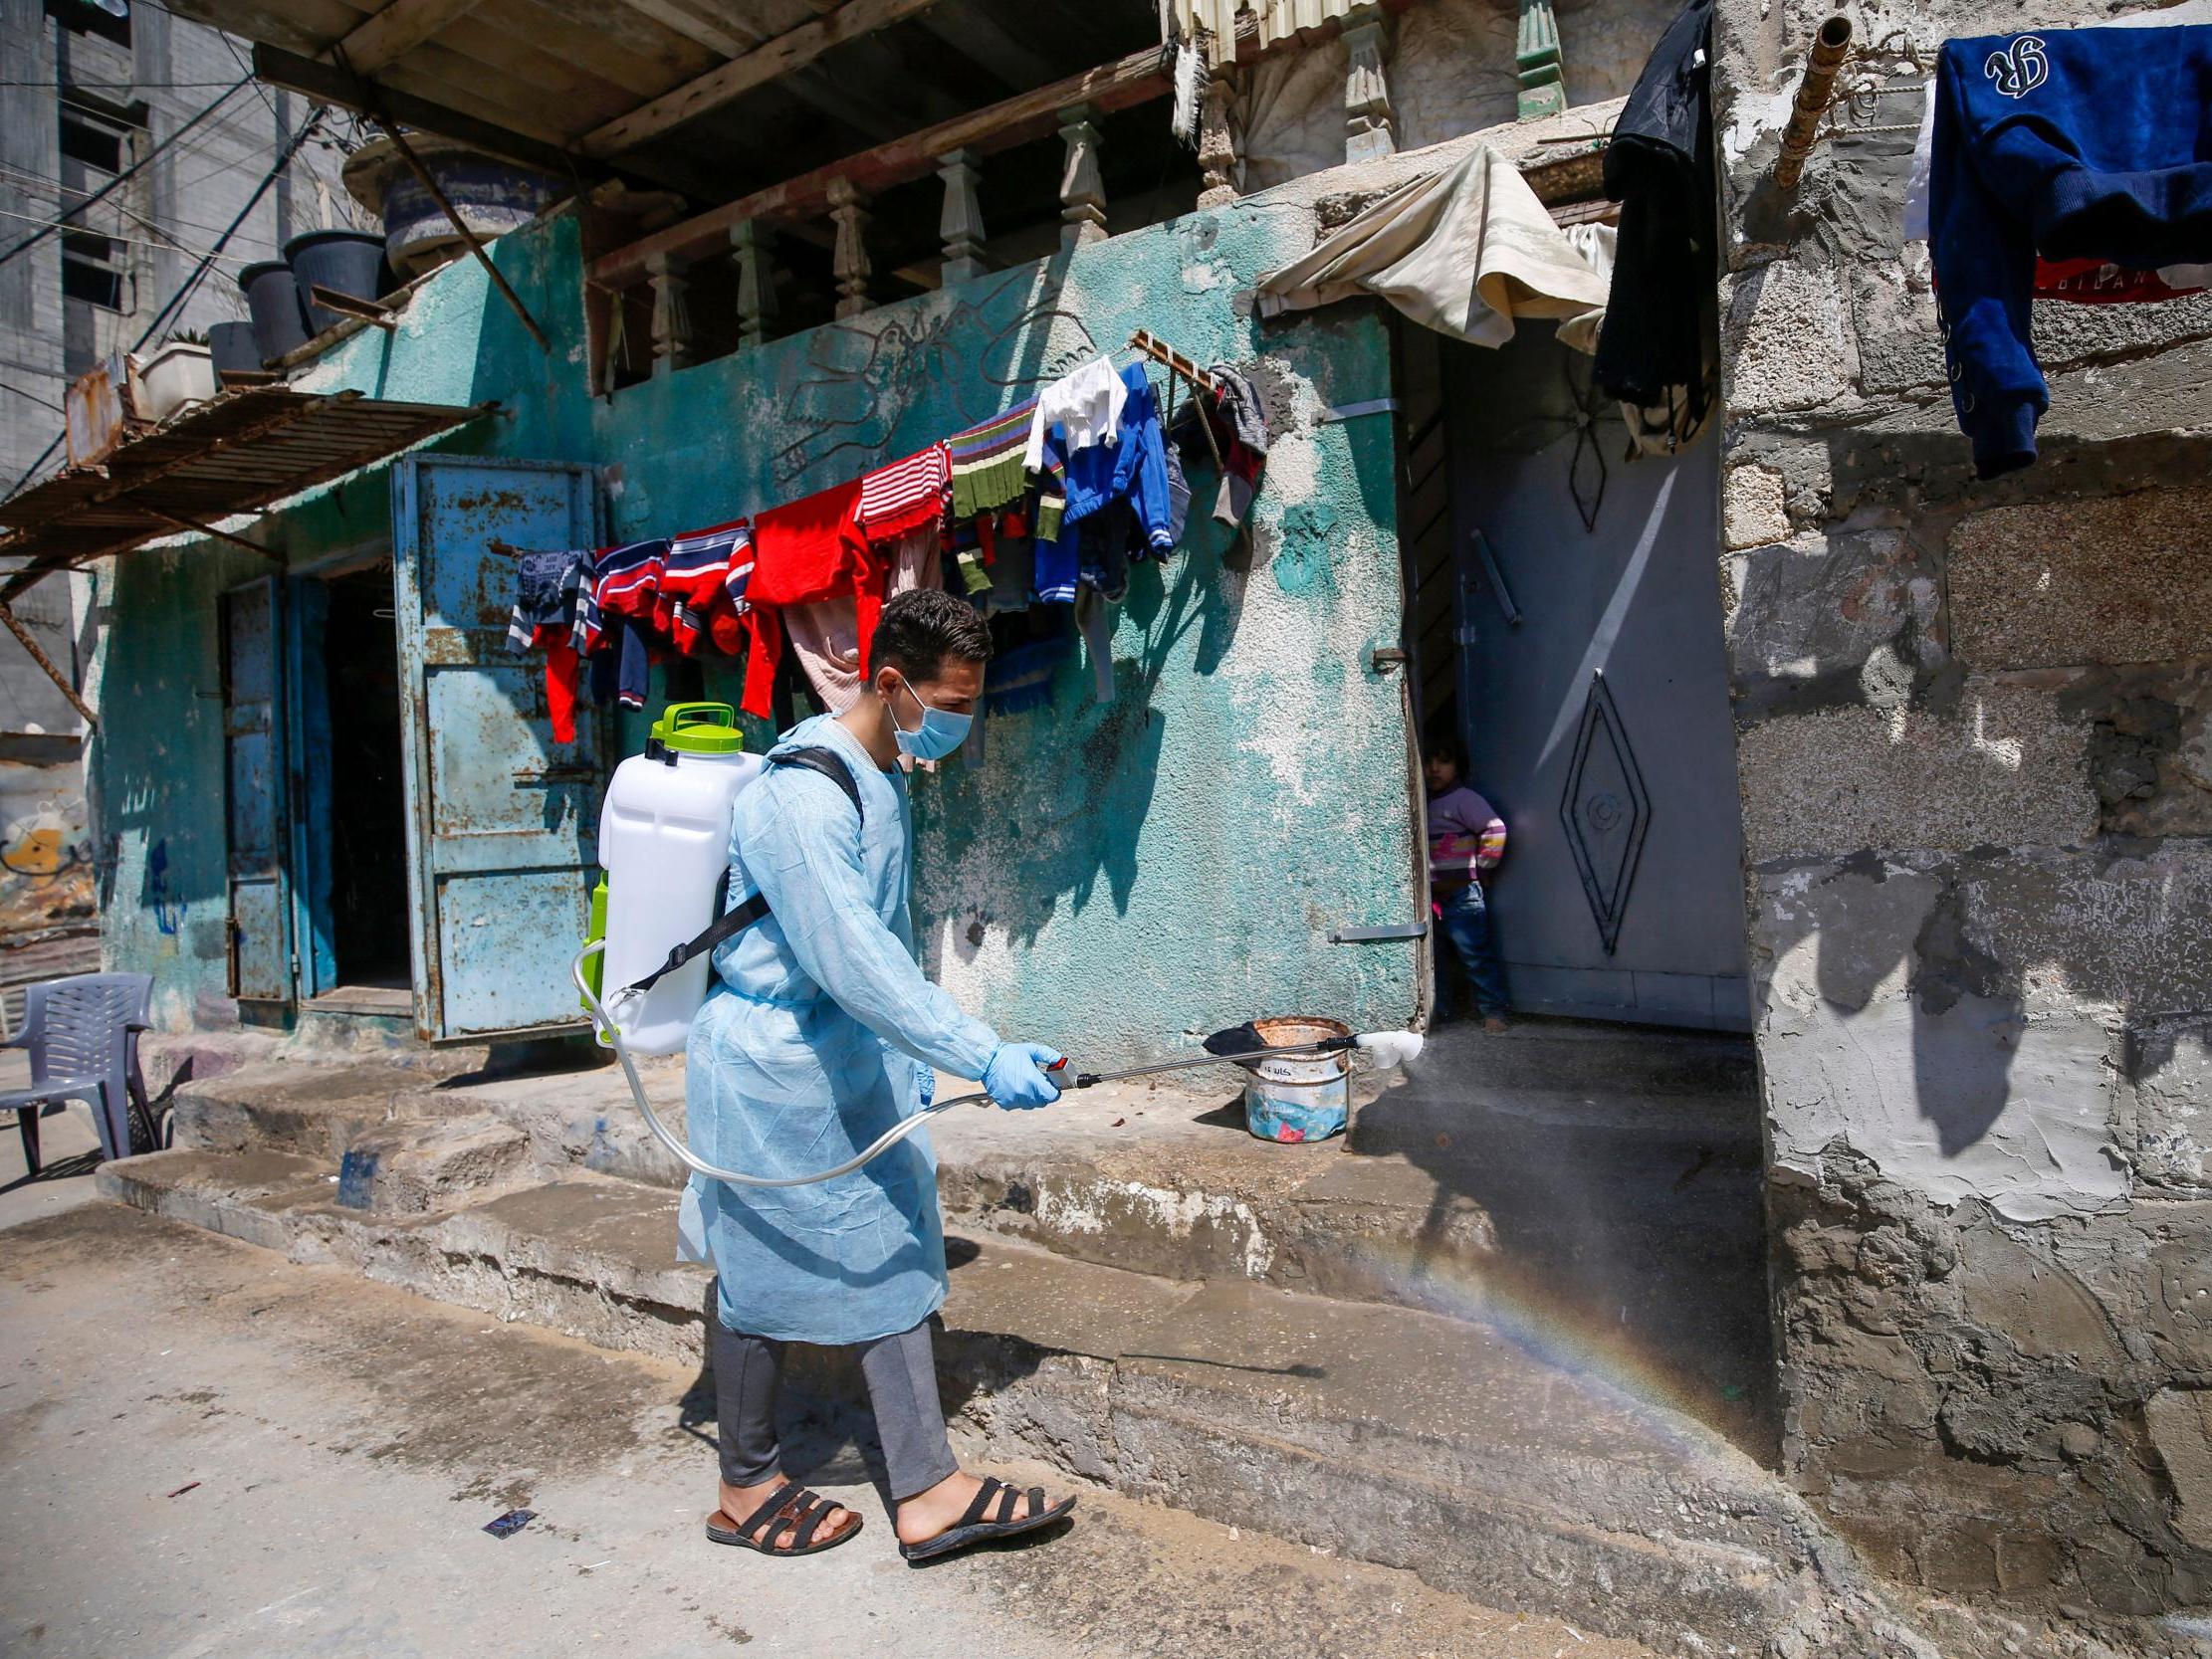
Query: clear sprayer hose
x=882 y=1143
x=898 y=1131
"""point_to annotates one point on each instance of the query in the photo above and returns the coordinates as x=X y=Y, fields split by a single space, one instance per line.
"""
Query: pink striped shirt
x=906 y=494
x=1465 y=838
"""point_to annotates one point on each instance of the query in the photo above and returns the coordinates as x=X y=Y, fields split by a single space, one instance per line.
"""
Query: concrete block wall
x=1975 y=755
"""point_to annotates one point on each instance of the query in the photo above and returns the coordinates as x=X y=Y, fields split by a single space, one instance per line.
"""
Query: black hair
x=923 y=626
x=1444 y=744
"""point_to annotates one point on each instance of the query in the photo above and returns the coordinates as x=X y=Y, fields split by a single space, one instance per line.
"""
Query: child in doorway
x=1465 y=841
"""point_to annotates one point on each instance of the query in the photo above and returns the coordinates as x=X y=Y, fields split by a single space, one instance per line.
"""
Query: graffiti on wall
x=45 y=867
x=866 y=377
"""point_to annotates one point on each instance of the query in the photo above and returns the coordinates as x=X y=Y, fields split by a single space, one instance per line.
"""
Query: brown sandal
x=790 y=1506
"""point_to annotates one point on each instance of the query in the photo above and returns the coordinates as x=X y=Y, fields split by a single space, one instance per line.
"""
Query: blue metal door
x=1594 y=697
x=259 y=921
x=502 y=826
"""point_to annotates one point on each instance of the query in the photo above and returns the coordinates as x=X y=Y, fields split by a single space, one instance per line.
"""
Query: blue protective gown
x=817 y=1034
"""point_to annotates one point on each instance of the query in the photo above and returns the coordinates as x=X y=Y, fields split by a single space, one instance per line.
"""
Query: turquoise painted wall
x=154 y=765
x=1119 y=872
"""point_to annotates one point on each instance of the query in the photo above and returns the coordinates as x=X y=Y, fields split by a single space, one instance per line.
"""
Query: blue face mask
x=940 y=733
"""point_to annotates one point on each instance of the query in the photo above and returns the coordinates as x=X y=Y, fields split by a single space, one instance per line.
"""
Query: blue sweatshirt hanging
x=2091 y=143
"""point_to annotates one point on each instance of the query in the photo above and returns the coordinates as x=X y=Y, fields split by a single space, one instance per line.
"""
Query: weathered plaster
x=1889 y=1032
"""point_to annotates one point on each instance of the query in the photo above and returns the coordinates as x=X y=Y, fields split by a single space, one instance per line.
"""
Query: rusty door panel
x=502 y=820
x=260 y=948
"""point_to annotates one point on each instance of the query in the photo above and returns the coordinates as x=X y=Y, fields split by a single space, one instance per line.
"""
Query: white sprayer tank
x=664 y=837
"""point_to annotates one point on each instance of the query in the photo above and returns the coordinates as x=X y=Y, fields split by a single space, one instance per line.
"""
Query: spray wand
x=1386 y=1051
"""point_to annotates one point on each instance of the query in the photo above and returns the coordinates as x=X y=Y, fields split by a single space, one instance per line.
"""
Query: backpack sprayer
x=664 y=840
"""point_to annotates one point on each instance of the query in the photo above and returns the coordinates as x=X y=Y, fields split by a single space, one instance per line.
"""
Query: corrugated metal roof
x=242 y=450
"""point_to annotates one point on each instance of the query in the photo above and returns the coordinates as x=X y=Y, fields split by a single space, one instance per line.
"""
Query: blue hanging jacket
x=2085 y=144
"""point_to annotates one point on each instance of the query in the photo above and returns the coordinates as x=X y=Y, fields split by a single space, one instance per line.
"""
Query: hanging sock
x=1095 y=618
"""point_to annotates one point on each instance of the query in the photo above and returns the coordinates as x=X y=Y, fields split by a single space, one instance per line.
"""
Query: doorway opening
x=367 y=838
x=1564 y=631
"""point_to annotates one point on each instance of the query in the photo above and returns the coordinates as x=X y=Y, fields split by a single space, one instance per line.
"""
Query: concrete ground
x=206 y=1449
x=69 y=1151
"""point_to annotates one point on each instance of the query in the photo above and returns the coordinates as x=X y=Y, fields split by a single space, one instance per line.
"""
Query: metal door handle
x=1497 y=579
x=559 y=775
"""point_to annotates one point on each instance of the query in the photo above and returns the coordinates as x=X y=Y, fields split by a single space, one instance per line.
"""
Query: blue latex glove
x=1015 y=1076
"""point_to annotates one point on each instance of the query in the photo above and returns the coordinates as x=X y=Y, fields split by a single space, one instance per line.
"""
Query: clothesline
x=1048 y=503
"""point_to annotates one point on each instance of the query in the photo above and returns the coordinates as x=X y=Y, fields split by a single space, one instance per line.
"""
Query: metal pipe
x=61 y=680
x=1813 y=94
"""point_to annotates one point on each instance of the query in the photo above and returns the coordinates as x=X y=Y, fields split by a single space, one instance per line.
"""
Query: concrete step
x=1388 y=1434
x=579 y=1116
x=1587 y=1209
x=1595 y=1057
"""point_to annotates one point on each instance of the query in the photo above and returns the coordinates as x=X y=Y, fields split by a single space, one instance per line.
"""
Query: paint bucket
x=350 y=263
x=1307 y=1098
x=272 y=300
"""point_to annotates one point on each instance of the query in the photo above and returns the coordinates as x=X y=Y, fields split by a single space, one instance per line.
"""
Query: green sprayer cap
x=700 y=728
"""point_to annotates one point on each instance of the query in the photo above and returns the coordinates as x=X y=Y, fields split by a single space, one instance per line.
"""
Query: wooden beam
x=348 y=304
x=328 y=84
x=181 y=523
x=721 y=38
x=395 y=31
x=61 y=680
x=1018 y=120
x=772 y=59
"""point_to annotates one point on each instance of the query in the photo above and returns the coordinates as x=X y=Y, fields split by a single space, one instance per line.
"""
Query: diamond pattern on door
x=1606 y=811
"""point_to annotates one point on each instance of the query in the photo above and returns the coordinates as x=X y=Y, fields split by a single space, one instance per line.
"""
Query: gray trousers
x=902 y=1387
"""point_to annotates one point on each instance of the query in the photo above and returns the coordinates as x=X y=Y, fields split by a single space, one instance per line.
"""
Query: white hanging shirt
x=1086 y=403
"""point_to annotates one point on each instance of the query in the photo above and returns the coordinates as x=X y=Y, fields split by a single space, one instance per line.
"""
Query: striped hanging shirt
x=903 y=496
x=703 y=587
x=987 y=460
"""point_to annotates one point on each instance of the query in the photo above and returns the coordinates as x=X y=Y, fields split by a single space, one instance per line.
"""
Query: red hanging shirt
x=811 y=550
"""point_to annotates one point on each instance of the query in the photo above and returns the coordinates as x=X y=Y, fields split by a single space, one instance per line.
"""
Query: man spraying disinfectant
x=810 y=1065
x=817 y=1036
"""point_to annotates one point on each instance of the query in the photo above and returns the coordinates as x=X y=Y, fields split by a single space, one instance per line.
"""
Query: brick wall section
x=1975 y=752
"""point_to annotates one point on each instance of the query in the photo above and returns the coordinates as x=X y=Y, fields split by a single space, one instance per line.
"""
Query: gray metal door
x=1598 y=722
x=260 y=940
x=503 y=820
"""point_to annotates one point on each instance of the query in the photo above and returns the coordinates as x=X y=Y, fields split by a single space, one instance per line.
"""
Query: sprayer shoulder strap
x=735 y=921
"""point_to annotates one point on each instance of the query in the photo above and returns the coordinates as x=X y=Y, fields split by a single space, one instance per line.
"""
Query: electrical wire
x=32 y=397
x=127 y=241
x=191 y=284
x=33 y=184
x=144 y=161
x=124 y=85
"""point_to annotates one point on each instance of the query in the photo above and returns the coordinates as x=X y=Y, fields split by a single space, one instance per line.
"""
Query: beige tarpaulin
x=1464 y=252
x=1276 y=19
